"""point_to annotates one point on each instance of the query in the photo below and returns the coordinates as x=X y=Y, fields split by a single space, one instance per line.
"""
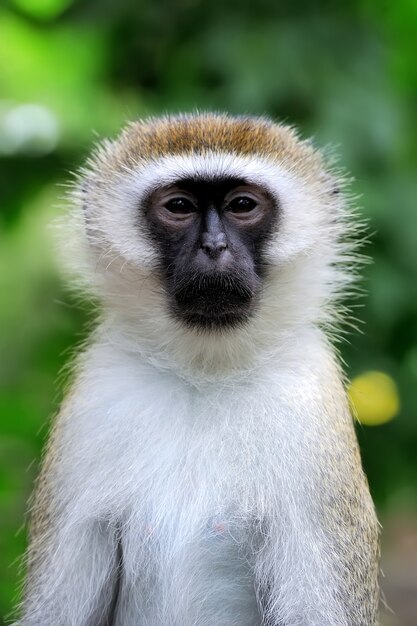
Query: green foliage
x=72 y=70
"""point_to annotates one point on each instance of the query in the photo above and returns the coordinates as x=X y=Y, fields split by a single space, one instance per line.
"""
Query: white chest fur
x=189 y=478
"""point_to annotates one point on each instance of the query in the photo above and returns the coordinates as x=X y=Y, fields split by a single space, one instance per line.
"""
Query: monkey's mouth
x=213 y=301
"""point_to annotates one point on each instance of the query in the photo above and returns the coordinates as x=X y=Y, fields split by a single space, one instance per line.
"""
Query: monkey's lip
x=214 y=301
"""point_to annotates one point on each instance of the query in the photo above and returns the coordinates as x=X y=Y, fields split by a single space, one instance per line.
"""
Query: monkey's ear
x=333 y=184
x=83 y=189
x=84 y=194
x=84 y=201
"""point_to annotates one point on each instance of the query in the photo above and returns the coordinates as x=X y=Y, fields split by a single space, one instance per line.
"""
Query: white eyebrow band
x=167 y=170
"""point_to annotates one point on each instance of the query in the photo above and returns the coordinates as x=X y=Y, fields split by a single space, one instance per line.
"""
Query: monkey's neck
x=212 y=356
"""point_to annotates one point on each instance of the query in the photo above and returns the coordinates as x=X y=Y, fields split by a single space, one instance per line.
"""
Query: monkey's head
x=214 y=224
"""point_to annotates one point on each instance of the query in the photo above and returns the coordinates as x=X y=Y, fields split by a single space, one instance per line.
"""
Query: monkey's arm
x=72 y=556
x=319 y=560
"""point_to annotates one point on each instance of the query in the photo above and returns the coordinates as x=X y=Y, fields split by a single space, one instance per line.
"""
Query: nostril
x=214 y=248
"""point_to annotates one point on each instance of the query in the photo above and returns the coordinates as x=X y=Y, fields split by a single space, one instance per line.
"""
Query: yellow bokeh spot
x=374 y=398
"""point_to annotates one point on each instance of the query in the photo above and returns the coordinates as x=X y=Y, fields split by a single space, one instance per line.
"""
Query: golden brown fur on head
x=209 y=132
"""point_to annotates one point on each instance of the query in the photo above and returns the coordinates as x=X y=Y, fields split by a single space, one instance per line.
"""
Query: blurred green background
x=345 y=72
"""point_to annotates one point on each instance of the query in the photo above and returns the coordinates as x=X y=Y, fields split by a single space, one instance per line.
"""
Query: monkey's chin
x=218 y=322
x=214 y=303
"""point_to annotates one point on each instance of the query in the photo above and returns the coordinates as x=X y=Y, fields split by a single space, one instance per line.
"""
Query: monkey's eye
x=180 y=206
x=241 y=204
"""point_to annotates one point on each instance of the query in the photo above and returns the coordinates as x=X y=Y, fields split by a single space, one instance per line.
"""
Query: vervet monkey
x=204 y=469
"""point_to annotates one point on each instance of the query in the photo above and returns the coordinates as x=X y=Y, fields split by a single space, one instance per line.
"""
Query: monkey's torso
x=191 y=505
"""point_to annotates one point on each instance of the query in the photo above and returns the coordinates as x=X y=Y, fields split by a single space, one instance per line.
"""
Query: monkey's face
x=210 y=237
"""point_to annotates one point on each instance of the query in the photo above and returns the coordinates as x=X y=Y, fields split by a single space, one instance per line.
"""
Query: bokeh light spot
x=28 y=129
x=374 y=398
x=42 y=9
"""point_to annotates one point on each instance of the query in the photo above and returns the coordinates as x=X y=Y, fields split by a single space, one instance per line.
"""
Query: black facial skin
x=211 y=236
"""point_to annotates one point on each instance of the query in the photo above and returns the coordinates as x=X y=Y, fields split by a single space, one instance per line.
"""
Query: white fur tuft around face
x=310 y=259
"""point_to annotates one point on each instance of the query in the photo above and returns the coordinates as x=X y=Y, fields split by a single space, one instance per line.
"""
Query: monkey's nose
x=215 y=245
